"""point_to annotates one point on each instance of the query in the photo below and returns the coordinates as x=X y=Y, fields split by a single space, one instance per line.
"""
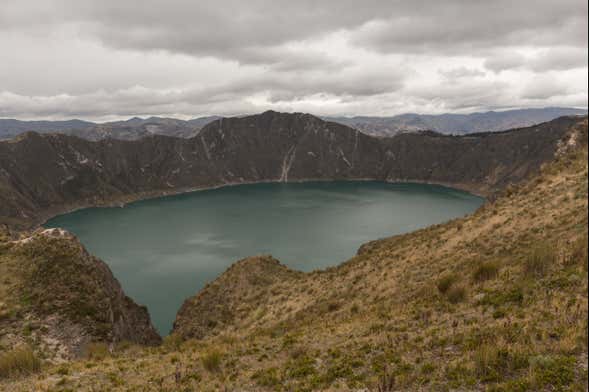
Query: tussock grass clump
x=446 y=282
x=514 y=295
x=96 y=350
x=486 y=271
x=495 y=364
x=553 y=372
x=578 y=253
x=19 y=362
x=211 y=361
x=456 y=294
x=539 y=261
x=267 y=377
x=172 y=342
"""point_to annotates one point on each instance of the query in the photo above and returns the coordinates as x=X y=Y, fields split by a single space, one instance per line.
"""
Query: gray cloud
x=543 y=87
x=235 y=29
x=474 y=26
x=95 y=59
x=551 y=59
x=461 y=72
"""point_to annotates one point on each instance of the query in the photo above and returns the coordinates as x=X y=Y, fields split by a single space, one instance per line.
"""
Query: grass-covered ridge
x=56 y=299
x=495 y=301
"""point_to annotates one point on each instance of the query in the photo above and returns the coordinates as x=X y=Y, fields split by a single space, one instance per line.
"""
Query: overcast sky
x=110 y=59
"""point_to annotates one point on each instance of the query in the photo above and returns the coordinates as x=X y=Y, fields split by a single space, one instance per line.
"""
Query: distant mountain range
x=455 y=123
x=136 y=128
x=132 y=129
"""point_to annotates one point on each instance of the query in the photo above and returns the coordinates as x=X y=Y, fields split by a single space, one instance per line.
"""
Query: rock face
x=43 y=175
x=70 y=297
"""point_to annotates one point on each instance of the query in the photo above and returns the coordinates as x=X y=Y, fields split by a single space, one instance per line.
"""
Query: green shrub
x=459 y=375
x=456 y=294
x=539 y=261
x=267 y=377
x=428 y=368
x=486 y=271
x=446 y=282
x=172 y=342
x=514 y=295
x=19 y=362
x=211 y=361
x=554 y=372
x=300 y=367
x=495 y=364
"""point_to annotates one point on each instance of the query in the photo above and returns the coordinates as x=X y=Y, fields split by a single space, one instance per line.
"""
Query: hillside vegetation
x=57 y=299
x=495 y=301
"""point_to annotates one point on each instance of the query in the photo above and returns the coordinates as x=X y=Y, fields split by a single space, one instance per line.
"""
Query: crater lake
x=166 y=249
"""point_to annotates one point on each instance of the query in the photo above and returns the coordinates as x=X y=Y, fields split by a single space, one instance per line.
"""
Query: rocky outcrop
x=44 y=175
x=68 y=297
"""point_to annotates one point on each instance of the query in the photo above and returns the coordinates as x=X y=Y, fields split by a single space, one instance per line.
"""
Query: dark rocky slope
x=43 y=175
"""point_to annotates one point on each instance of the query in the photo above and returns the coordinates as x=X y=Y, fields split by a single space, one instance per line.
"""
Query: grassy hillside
x=495 y=301
x=57 y=299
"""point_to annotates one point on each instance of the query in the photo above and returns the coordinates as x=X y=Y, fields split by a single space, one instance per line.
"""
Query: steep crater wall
x=45 y=175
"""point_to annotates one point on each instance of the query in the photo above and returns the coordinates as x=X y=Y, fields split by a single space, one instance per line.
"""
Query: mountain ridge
x=272 y=146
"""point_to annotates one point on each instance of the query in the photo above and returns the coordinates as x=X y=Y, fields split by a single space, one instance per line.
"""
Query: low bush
x=496 y=364
x=446 y=282
x=96 y=350
x=579 y=253
x=553 y=372
x=486 y=271
x=300 y=367
x=18 y=362
x=456 y=294
x=267 y=377
x=211 y=361
x=514 y=295
x=539 y=261
x=172 y=342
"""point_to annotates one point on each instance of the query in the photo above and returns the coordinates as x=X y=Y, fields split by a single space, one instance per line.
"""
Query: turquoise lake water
x=165 y=250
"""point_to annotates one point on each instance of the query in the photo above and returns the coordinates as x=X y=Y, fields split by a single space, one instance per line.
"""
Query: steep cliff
x=43 y=175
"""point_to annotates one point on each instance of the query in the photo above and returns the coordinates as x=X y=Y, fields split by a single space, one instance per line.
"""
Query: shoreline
x=123 y=201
